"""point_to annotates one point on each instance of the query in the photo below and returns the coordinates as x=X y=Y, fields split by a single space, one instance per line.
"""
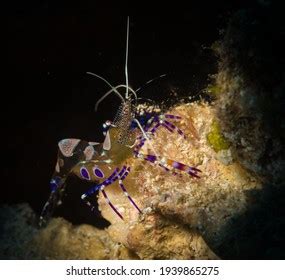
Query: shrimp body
x=104 y=163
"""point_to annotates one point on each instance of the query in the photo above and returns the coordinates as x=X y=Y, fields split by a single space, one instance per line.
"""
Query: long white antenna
x=114 y=89
x=150 y=81
x=126 y=64
x=105 y=95
x=100 y=77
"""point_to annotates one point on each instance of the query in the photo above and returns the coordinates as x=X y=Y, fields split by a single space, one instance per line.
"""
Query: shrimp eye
x=106 y=127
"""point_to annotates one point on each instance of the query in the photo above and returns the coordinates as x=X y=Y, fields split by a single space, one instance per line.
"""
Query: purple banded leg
x=141 y=143
x=154 y=129
x=107 y=182
x=172 y=117
x=57 y=188
x=142 y=139
x=111 y=204
x=193 y=174
x=174 y=127
x=139 y=146
x=125 y=190
x=90 y=192
x=55 y=183
x=166 y=124
x=167 y=127
x=164 y=167
x=153 y=159
x=150 y=158
x=150 y=122
x=95 y=188
x=129 y=197
x=188 y=169
x=168 y=170
x=182 y=167
x=124 y=172
x=175 y=164
x=116 y=175
x=193 y=171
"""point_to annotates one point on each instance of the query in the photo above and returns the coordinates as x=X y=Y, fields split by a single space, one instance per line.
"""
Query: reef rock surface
x=180 y=209
x=21 y=239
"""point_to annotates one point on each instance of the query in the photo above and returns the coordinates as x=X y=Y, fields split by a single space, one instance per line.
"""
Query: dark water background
x=48 y=97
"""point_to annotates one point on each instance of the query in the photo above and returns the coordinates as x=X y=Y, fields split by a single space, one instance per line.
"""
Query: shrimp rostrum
x=104 y=164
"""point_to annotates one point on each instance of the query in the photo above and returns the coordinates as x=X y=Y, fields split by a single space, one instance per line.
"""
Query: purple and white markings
x=121 y=178
x=67 y=146
x=173 y=127
x=84 y=173
x=111 y=205
x=98 y=172
x=172 y=117
x=152 y=126
x=178 y=165
x=116 y=175
x=55 y=183
x=150 y=158
x=161 y=121
x=193 y=171
x=168 y=164
x=153 y=130
x=167 y=127
x=190 y=170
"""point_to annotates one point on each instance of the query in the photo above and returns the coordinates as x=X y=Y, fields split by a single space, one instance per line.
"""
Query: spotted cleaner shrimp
x=104 y=163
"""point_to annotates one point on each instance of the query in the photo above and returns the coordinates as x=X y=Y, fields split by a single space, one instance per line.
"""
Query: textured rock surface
x=249 y=102
x=156 y=238
x=20 y=239
x=61 y=240
x=197 y=207
x=16 y=231
x=250 y=98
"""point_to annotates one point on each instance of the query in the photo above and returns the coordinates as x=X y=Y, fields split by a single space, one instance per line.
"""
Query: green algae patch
x=213 y=90
x=216 y=139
